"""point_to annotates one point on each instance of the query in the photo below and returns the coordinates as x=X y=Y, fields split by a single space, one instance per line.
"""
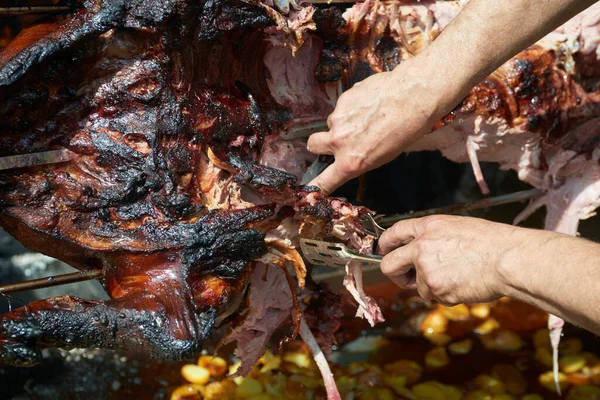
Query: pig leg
x=140 y=324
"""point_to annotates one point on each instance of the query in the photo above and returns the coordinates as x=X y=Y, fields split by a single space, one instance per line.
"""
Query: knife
x=318 y=166
x=303 y=129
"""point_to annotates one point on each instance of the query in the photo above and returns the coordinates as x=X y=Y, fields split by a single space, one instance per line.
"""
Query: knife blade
x=318 y=166
x=301 y=129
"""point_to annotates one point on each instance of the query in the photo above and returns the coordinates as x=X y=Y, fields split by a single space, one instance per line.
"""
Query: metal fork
x=371 y=226
x=333 y=255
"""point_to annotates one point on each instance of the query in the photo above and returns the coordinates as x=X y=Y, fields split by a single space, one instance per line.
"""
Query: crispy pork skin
x=178 y=190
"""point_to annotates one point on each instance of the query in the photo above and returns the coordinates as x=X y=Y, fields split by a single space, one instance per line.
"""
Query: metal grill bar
x=390 y=220
x=50 y=281
x=33 y=159
x=10 y=11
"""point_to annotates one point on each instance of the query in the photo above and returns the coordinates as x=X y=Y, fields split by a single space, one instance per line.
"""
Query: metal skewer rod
x=469 y=206
x=4 y=11
x=9 y=11
x=51 y=281
x=33 y=159
x=385 y=221
x=336 y=1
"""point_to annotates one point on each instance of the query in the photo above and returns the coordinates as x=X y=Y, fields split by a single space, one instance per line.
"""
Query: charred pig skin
x=166 y=108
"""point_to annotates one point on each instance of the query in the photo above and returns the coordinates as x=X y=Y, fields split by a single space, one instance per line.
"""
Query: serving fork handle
x=368 y=258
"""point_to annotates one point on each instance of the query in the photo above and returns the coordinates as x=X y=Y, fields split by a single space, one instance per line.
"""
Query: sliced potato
x=461 y=348
x=217 y=366
x=547 y=380
x=187 y=392
x=437 y=358
x=195 y=374
x=570 y=364
x=489 y=384
x=459 y=312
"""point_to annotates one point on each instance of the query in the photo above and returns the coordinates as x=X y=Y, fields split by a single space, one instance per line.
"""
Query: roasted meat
x=167 y=110
x=182 y=187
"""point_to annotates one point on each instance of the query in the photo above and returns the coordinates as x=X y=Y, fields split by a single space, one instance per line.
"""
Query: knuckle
x=434 y=285
x=431 y=222
x=422 y=247
x=448 y=301
x=424 y=292
x=390 y=233
x=421 y=260
x=333 y=119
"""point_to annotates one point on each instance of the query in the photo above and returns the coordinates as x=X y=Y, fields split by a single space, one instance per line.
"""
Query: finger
x=398 y=266
x=400 y=233
x=320 y=143
x=407 y=281
x=330 y=179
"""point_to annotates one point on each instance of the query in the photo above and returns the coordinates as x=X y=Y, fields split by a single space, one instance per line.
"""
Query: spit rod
x=9 y=11
x=390 y=220
x=34 y=159
x=50 y=281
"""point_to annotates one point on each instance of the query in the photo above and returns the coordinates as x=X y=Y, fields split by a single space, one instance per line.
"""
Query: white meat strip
x=367 y=306
x=330 y=385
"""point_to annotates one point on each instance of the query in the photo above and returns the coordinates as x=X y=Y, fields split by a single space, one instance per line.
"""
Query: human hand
x=450 y=259
x=376 y=120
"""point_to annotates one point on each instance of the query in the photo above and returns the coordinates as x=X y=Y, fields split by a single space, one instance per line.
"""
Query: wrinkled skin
x=450 y=259
x=385 y=108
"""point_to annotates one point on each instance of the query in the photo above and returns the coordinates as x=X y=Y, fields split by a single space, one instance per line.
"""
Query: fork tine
x=334 y=255
x=317 y=252
x=371 y=226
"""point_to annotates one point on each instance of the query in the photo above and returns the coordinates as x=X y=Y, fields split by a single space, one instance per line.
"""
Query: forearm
x=557 y=273
x=484 y=36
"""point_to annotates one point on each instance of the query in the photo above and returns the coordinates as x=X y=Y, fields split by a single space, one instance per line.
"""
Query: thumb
x=330 y=179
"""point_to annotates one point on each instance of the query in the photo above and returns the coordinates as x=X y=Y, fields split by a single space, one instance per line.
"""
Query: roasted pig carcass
x=183 y=184
x=178 y=187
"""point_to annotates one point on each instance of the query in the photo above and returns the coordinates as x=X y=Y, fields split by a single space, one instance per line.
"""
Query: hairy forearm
x=557 y=273
x=484 y=36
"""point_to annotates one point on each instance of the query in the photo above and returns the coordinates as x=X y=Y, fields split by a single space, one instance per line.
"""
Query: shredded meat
x=270 y=303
